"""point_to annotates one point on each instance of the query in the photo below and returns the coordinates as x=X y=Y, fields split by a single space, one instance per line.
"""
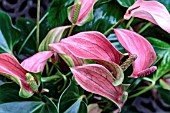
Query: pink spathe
x=137 y=44
x=60 y=48
x=92 y=45
x=97 y=79
x=36 y=62
x=12 y=69
x=152 y=11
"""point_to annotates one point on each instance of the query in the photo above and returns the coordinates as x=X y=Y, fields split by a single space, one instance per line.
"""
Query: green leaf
x=164 y=95
x=71 y=101
x=106 y=14
x=58 y=12
x=29 y=107
x=158 y=45
x=164 y=66
x=166 y=3
x=126 y=3
x=53 y=36
x=9 y=35
x=112 y=38
x=9 y=93
x=26 y=25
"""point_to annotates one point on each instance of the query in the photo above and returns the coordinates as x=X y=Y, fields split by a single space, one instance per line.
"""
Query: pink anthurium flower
x=81 y=12
x=36 y=62
x=97 y=79
x=152 y=11
x=72 y=61
x=136 y=44
x=11 y=68
x=94 y=45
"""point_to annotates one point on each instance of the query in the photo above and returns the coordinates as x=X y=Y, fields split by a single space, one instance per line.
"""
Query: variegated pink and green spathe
x=12 y=69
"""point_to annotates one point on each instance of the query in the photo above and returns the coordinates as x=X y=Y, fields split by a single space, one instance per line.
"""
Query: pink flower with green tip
x=12 y=69
x=81 y=12
x=152 y=11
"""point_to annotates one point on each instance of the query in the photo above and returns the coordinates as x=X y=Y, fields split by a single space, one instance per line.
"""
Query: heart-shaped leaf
x=71 y=101
x=58 y=12
x=47 y=106
x=9 y=35
x=26 y=26
x=9 y=93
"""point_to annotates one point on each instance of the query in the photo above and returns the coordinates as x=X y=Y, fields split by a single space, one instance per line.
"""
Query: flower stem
x=50 y=78
x=38 y=25
x=30 y=34
x=129 y=23
x=144 y=27
x=71 y=29
x=65 y=82
x=109 y=31
x=144 y=90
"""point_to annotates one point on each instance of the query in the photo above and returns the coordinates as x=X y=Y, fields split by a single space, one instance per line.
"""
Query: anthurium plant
x=85 y=56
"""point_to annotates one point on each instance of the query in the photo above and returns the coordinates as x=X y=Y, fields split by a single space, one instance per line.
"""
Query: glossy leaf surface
x=58 y=12
x=9 y=35
x=9 y=93
x=126 y=3
x=26 y=26
x=29 y=106
x=71 y=101
x=164 y=65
